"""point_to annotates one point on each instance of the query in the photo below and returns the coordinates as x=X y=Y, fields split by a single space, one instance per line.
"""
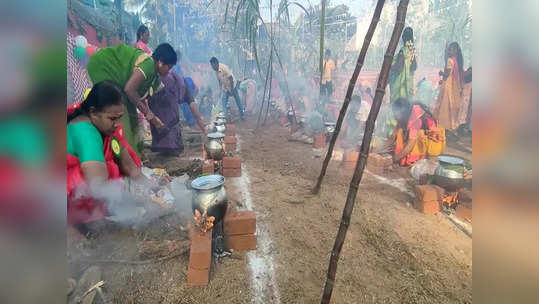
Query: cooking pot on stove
x=214 y=145
x=220 y=128
x=210 y=196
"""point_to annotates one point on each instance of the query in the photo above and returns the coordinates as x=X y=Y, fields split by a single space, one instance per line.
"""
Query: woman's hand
x=156 y=122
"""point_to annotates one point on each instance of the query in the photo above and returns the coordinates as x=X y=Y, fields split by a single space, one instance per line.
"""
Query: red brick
x=429 y=193
x=230 y=140
x=464 y=212
x=239 y=222
x=195 y=232
x=230 y=143
x=232 y=162
x=241 y=242
x=227 y=172
x=198 y=277
x=207 y=167
x=319 y=141
x=351 y=156
x=349 y=165
x=374 y=159
x=428 y=207
x=200 y=252
x=230 y=130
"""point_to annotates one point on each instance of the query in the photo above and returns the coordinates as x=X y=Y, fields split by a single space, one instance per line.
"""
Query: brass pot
x=210 y=196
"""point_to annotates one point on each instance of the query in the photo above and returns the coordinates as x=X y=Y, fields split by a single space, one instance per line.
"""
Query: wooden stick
x=364 y=151
x=168 y=257
x=350 y=91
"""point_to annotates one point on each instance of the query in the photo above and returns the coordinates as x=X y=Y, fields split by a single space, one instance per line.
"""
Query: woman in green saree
x=137 y=73
x=401 y=75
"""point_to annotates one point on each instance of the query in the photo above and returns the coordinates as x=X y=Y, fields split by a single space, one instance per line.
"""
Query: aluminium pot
x=210 y=196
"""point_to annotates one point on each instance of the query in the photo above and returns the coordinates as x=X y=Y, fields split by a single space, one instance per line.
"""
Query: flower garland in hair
x=411 y=46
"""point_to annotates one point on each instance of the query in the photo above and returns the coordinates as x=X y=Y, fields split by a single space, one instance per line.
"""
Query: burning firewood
x=203 y=222
x=451 y=199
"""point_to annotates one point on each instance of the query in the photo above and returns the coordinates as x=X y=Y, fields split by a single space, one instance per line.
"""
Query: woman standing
x=401 y=77
x=138 y=74
x=450 y=97
x=143 y=37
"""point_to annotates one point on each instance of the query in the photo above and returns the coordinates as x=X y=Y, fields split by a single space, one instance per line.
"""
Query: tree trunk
x=364 y=151
x=350 y=91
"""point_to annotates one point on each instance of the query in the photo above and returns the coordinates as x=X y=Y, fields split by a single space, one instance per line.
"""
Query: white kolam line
x=260 y=261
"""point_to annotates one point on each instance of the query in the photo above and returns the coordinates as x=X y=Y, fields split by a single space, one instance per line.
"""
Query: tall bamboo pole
x=272 y=33
x=350 y=91
x=364 y=151
x=322 y=30
x=265 y=87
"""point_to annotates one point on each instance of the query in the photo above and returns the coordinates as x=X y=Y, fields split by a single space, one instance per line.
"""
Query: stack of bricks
x=319 y=141
x=230 y=130
x=231 y=166
x=240 y=229
x=198 y=273
x=349 y=160
x=230 y=143
x=208 y=166
x=428 y=198
x=379 y=164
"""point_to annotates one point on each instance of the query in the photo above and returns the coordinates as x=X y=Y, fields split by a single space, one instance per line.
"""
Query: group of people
x=415 y=127
x=103 y=130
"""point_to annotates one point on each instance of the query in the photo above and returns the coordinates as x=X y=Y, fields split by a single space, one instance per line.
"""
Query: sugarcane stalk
x=322 y=29
x=271 y=67
x=364 y=151
x=265 y=87
x=269 y=96
x=350 y=91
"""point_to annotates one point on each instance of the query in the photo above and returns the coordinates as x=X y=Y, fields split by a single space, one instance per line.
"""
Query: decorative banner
x=79 y=52
x=81 y=41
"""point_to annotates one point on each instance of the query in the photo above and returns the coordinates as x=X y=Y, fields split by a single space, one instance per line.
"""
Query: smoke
x=135 y=204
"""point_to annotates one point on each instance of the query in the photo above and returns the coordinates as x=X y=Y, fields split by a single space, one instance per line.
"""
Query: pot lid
x=449 y=159
x=208 y=182
x=216 y=135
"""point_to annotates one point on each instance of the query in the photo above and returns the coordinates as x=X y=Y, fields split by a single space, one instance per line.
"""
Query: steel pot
x=219 y=128
x=215 y=145
x=330 y=128
x=210 y=196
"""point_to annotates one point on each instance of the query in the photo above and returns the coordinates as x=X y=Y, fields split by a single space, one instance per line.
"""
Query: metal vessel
x=214 y=145
x=210 y=196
